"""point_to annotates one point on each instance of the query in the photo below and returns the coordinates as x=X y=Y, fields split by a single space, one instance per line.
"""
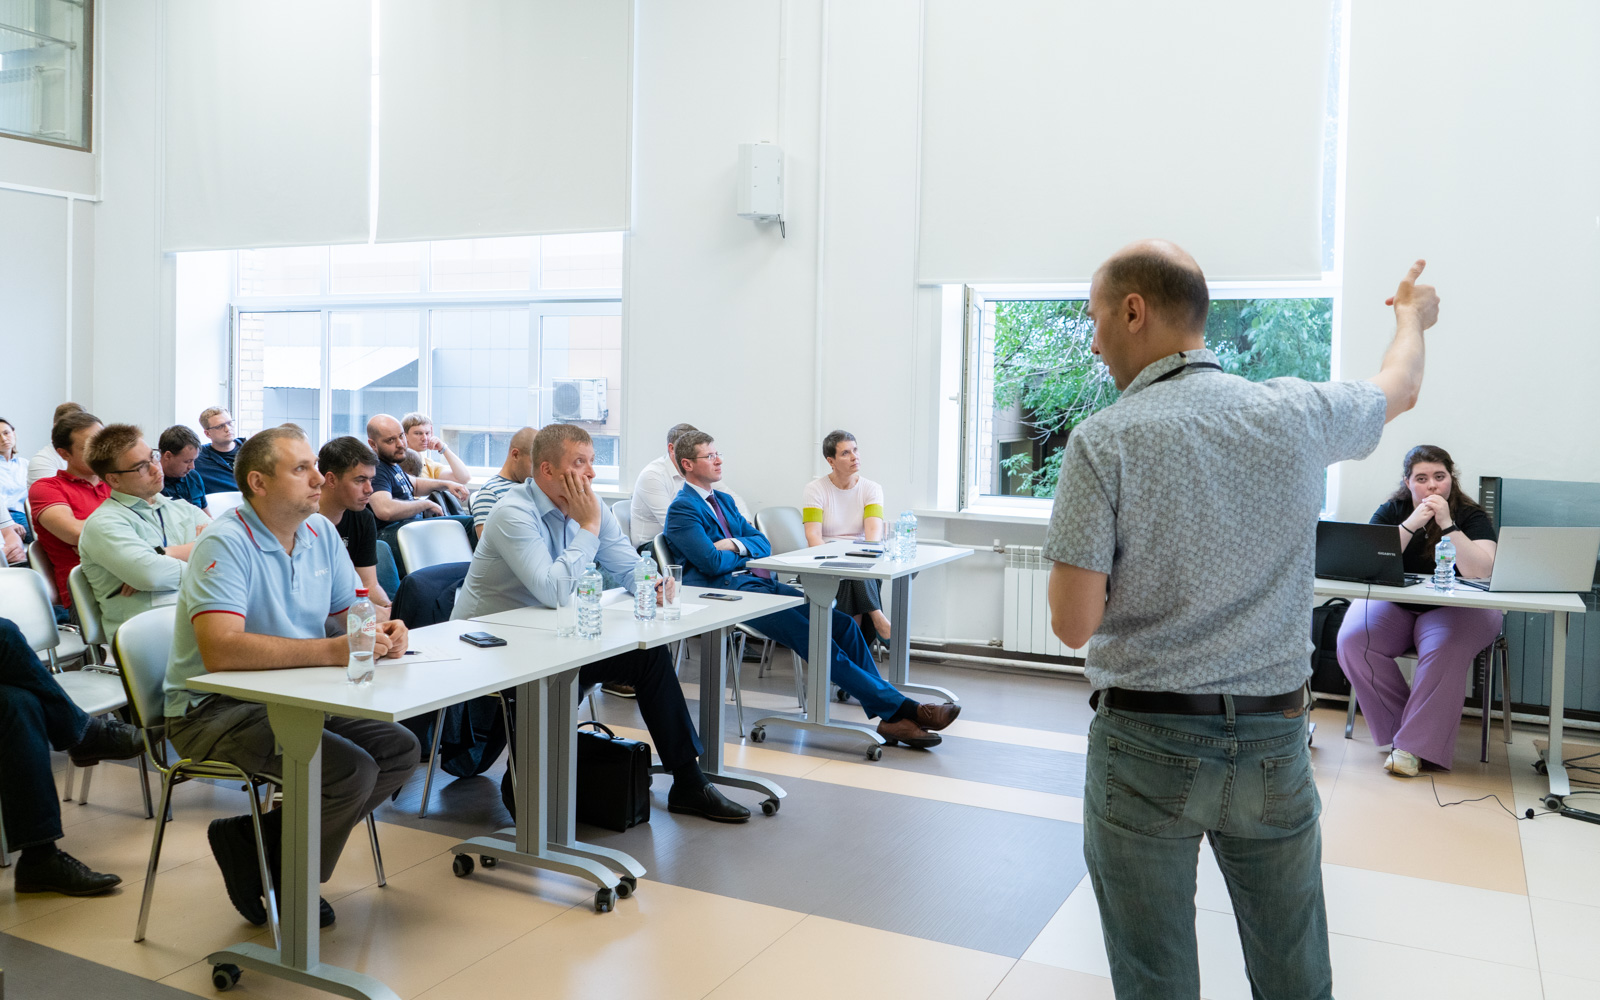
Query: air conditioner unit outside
x=580 y=399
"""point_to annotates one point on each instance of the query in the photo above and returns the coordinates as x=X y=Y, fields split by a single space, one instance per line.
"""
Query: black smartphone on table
x=482 y=640
x=722 y=597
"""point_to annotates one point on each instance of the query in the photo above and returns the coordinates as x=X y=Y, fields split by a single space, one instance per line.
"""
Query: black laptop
x=1361 y=553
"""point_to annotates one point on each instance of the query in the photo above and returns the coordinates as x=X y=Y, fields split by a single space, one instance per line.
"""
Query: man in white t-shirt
x=657 y=484
x=845 y=506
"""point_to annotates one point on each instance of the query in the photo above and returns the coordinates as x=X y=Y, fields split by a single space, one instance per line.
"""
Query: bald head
x=387 y=438
x=1164 y=276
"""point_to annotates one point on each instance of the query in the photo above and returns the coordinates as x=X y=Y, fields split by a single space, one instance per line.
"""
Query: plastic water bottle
x=1444 y=566
x=905 y=531
x=590 y=586
x=645 y=576
x=361 y=628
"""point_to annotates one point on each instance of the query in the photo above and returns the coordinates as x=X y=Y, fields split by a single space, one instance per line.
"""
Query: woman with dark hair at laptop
x=1420 y=719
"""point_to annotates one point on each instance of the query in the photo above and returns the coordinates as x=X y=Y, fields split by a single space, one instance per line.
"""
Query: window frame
x=976 y=299
x=539 y=303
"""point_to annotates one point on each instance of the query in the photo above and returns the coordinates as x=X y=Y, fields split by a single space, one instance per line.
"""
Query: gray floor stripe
x=35 y=972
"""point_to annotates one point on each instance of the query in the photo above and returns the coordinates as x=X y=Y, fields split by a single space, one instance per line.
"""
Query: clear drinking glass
x=671 y=593
x=566 y=604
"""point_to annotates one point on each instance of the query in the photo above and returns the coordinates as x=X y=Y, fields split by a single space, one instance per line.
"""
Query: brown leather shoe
x=908 y=732
x=937 y=717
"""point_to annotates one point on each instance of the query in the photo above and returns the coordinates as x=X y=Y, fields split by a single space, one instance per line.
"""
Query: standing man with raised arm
x=258 y=593
x=1183 y=548
x=215 y=460
x=134 y=546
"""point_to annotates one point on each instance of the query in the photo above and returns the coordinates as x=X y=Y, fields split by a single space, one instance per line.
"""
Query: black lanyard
x=1180 y=370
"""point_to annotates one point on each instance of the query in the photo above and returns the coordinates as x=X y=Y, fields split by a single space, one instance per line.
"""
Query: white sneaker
x=1402 y=763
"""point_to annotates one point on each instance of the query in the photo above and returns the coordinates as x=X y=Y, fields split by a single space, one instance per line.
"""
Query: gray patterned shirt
x=1199 y=497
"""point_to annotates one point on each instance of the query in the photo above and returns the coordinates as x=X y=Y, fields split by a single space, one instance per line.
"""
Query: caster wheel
x=462 y=865
x=225 y=977
x=1541 y=767
x=626 y=886
x=769 y=807
x=876 y=753
x=1552 y=802
x=840 y=696
x=758 y=734
x=604 y=900
x=487 y=861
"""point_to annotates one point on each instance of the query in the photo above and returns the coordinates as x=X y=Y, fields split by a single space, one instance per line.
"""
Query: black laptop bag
x=1326 y=677
x=613 y=779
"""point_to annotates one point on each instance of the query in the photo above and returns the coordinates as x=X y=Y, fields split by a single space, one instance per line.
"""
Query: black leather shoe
x=233 y=844
x=705 y=801
x=106 y=739
x=63 y=873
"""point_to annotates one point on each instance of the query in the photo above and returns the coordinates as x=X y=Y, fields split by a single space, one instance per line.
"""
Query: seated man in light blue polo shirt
x=258 y=591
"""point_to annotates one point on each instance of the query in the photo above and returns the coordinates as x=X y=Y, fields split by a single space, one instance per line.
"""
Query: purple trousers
x=1420 y=718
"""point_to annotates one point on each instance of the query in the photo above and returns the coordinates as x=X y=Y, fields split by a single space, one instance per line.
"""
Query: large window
x=485 y=336
x=1031 y=377
x=45 y=63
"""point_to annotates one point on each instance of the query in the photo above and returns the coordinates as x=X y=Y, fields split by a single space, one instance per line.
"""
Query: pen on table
x=413 y=652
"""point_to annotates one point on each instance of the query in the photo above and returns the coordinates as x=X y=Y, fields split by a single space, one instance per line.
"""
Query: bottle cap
x=361 y=592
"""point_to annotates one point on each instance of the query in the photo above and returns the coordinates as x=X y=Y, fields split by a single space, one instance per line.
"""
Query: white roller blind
x=268 y=123
x=1475 y=143
x=1054 y=132
x=503 y=117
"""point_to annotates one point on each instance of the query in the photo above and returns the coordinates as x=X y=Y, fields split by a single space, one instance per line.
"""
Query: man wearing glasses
x=134 y=546
x=215 y=461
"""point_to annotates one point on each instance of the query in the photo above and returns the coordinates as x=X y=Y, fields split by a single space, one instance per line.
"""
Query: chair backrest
x=218 y=504
x=26 y=602
x=623 y=509
x=659 y=549
x=143 y=645
x=431 y=542
x=39 y=559
x=86 y=607
x=783 y=528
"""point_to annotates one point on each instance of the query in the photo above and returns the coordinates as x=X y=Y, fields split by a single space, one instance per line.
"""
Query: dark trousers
x=660 y=697
x=35 y=716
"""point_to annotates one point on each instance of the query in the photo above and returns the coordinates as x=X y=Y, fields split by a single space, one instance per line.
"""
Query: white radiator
x=1027 y=608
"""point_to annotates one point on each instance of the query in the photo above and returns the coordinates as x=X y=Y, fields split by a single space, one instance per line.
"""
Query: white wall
x=33 y=312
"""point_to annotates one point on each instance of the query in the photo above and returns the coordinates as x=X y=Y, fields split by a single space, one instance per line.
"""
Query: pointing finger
x=1416 y=271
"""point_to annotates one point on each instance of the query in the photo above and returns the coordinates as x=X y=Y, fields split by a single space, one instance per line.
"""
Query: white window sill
x=995 y=515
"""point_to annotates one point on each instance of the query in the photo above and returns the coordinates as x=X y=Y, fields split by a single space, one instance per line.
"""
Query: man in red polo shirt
x=64 y=501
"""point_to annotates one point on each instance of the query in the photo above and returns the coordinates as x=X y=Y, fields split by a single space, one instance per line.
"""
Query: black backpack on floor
x=1326 y=677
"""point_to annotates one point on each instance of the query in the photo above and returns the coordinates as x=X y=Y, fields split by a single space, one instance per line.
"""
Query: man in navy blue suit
x=705 y=529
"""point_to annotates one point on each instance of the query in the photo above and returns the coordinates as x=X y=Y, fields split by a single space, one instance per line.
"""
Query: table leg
x=1554 y=760
x=820 y=592
x=545 y=757
x=713 y=682
x=563 y=812
x=900 y=642
x=299 y=732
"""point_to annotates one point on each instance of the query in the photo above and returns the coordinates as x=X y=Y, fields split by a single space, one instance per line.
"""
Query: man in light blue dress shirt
x=553 y=525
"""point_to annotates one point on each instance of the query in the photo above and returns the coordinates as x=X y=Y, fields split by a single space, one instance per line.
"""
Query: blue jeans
x=853 y=667
x=1156 y=784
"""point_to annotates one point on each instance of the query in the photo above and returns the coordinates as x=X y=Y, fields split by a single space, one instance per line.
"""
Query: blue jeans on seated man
x=853 y=667
x=1155 y=785
x=35 y=716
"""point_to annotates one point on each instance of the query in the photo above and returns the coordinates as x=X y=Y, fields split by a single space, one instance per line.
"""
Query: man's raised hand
x=1411 y=298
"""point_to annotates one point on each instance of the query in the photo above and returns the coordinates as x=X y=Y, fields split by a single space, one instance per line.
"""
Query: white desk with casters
x=296 y=701
x=1558 y=606
x=820 y=569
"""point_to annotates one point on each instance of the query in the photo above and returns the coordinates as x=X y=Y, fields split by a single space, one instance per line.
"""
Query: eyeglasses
x=138 y=468
x=708 y=457
x=218 y=427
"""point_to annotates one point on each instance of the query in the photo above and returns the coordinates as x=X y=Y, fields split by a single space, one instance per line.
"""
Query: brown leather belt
x=1168 y=703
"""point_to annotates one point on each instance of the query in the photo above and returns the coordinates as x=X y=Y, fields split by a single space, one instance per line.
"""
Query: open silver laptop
x=1548 y=560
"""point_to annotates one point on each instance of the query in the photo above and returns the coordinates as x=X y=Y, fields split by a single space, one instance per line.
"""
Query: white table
x=1558 y=606
x=820 y=571
x=708 y=619
x=296 y=702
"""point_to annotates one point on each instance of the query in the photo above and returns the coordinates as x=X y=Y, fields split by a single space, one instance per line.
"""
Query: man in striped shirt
x=517 y=468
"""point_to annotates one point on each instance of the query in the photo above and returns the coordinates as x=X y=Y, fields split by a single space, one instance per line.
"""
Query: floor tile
x=664 y=942
x=1016 y=736
x=819 y=954
x=1566 y=932
x=1376 y=970
x=1561 y=858
x=971 y=793
x=403 y=848
x=1030 y=981
x=1437 y=916
x=1559 y=987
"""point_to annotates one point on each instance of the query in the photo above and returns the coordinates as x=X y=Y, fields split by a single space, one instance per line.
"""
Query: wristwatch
x=161 y=550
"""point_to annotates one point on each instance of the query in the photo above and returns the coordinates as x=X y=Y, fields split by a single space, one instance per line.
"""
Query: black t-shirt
x=1418 y=557
x=393 y=480
x=359 y=529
